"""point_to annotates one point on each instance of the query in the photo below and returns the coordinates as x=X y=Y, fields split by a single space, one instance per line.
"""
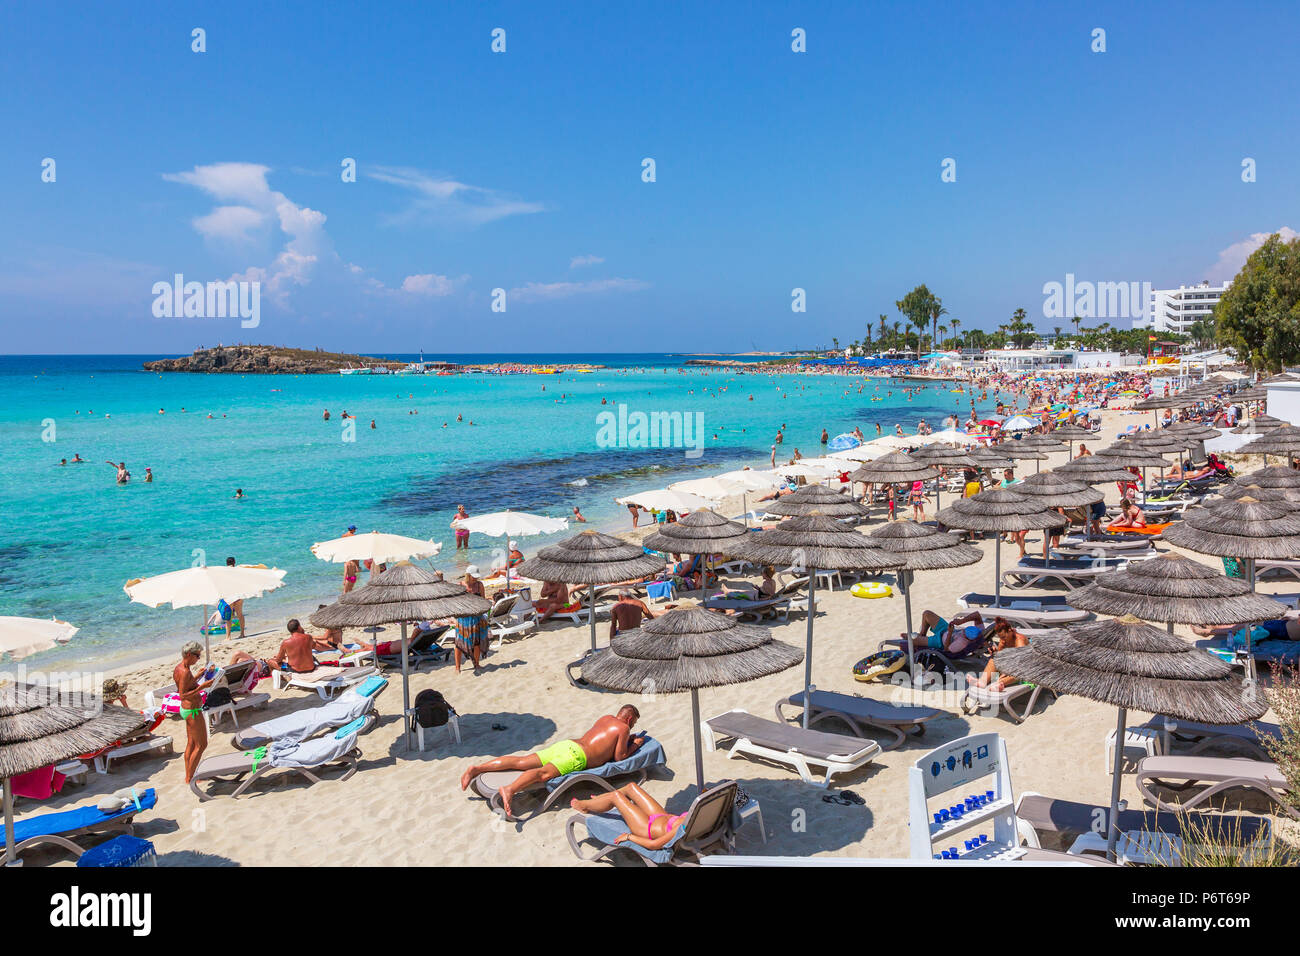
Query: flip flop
x=848 y=796
x=834 y=798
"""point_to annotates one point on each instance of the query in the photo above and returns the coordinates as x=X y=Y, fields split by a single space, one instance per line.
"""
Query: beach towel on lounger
x=649 y=754
x=289 y=752
x=349 y=705
x=608 y=827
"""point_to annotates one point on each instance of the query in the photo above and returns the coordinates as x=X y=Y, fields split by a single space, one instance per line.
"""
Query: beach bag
x=431 y=710
x=223 y=609
x=218 y=697
x=931 y=662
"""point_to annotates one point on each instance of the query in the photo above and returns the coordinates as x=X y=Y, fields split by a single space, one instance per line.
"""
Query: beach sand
x=405 y=808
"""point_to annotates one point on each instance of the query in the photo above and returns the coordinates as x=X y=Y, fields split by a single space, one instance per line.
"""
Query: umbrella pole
x=695 y=723
x=807 y=656
x=905 y=578
x=591 y=613
x=11 y=858
x=997 y=569
x=1112 y=832
x=406 y=688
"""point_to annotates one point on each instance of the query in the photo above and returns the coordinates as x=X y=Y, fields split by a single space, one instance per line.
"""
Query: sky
x=524 y=171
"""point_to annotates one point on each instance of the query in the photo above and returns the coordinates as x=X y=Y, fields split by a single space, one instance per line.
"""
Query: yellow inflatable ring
x=871 y=589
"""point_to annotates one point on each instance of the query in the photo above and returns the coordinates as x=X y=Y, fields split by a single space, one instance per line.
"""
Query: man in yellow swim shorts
x=610 y=738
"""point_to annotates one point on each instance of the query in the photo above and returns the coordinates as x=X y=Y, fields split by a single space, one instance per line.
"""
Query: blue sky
x=522 y=170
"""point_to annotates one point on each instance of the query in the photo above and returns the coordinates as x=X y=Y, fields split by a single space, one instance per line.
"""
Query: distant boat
x=360 y=370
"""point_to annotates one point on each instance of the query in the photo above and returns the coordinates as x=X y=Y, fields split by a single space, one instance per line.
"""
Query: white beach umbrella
x=895 y=442
x=205 y=586
x=715 y=489
x=662 y=499
x=20 y=636
x=750 y=478
x=512 y=524
x=867 y=452
x=375 y=547
x=1018 y=423
x=954 y=437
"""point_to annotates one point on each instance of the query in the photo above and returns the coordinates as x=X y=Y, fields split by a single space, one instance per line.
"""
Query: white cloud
x=579 y=261
x=1234 y=257
x=442 y=200
x=230 y=223
x=550 y=291
x=256 y=202
x=430 y=285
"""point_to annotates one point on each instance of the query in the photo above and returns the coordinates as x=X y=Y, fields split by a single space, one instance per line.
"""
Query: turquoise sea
x=73 y=537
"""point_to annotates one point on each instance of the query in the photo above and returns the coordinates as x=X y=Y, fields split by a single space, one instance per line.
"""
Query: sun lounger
x=342 y=710
x=61 y=826
x=232 y=678
x=579 y=616
x=1048 y=610
x=1277 y=569
x=1059 y=823
x=296 y=756
x=863 y=714
x=518 y=620
x=1069 y=573
x=1109 y=544
x=423 y=649
x=608 y=777
x=325 y=681
x=975 y=652
x=797 y=748
x=1202 y=737
x=977 y=698
x=1221 y=775
x=765 y=607
x=709 y=827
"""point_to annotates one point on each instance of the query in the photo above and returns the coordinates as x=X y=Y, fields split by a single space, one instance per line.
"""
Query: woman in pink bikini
x=649 y=824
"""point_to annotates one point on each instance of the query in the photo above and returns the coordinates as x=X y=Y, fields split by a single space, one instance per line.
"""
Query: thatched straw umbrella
x=923 y=548
x=1070 y=433
x=999 y=510
x=1283 y=440
x=944 y=456
x=1044 y=443
x=42 y=726
x=1134 y=666
x=701 y=532
x=1239 y=528
x=815 y=542
x=1053 y=489
x=1174 y=589
x=989 y=458
x=1252 y=394
x=1274 y=476
x=686 y=649
x=1289 y=497
x=591 y=558
x=1193 y=430
x=1260 y=423
x=1016 y=448
x=1093 y=470
x=896 y=468
x=1130 y=453
x=398 y=595
x=821 y=499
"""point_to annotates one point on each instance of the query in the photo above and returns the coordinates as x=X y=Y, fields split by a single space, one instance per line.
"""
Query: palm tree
x=1076 y=320
x=956 y=324
x=943 y=334
x=936 y=310
x=1056 y=334
x=883 y=319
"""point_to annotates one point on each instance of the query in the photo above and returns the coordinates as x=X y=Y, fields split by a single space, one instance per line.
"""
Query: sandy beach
x=405 y=808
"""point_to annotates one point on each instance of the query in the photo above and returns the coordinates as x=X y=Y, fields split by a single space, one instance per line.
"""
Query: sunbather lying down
x=952 y=637
x=648 y=823
x=610 y=738
x=1287 y=629
x=1004 y=636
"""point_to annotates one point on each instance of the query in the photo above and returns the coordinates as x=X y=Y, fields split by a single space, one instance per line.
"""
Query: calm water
x=74 y=537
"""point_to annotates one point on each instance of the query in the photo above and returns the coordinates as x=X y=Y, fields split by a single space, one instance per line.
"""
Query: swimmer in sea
x=77 y=459
x=372 y=423
x=148 y=475
x=123 y=476
x=63 y=461
x=326 y=416
x=239 y=492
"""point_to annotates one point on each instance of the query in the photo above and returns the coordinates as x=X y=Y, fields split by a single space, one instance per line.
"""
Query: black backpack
x=219 y=697
x=431 y=710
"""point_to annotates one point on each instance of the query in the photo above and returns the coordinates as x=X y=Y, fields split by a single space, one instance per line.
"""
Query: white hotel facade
x=1175 y=310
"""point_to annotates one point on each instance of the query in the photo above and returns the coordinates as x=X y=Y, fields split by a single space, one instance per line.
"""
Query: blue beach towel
x=649 y=754
x=54 y=824
x=608 y=827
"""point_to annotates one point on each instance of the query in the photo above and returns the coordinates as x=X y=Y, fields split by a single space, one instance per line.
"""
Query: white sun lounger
x=862 y=714
x=1220 y=774
x=793 y=746
x=1280 y=568
x=978 y=698
x=1201 y=737
x=1042 y=611
x=325 y=681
